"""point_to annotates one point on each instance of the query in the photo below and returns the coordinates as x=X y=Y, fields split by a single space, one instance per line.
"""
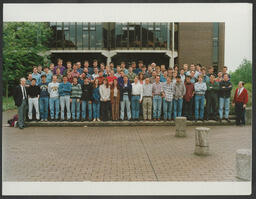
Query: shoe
x=94 y=120
x=21 y=127
x=98 y=119
x=196 y=121
x=46 y=120
x=40 y=120
x=220 y=120
x=227 y=120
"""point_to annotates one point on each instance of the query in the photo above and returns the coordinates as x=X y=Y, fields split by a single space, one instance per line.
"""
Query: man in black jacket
x=224 y=97
x=20 y=98
x=125 y=97
x=86 y=99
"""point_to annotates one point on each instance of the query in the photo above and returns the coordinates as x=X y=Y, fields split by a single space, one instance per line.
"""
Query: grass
x=8 y=104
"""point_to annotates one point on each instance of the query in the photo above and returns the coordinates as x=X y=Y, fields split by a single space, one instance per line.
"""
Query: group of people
x=104 y=92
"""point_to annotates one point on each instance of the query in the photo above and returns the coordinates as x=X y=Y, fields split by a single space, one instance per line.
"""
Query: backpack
x=12 y=122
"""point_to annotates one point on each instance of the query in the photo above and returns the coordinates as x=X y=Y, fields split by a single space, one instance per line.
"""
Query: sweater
x=76 y=91
x=212 y=89
x=33 y=91
x=189 y=91
x=65 y=89
x=104 y=93
x=53 y=89
x=225 y=89
x=87 y=92
x=125 y=89
x=242 y=97
x=179 y=90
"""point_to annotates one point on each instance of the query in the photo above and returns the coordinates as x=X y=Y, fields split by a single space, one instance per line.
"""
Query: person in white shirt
x=53 y=90
x=105 y=99
x=137 y=93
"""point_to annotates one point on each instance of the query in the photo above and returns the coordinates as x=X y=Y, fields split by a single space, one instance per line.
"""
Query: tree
x=23 y=46
x=243 y=73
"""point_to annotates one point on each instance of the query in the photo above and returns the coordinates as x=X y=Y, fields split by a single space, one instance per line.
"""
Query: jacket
x=96 y=95
x=179 y=90
x=189 y=91
x=212 y=89
x=126 y=89
x=225 y=92
x=87 y=92
x=112 y=95
x=104 y=93
x=243 y=97
x=65 y=89
x=76 y=91
x=18 y=96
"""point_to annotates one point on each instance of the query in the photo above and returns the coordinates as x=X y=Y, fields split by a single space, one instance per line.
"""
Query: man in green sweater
x=212 y=97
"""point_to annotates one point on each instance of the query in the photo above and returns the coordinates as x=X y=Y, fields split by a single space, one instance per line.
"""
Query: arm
x=184 y=89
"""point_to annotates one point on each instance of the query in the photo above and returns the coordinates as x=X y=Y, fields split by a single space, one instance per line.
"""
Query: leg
x=30 y=106
x=227 y=101
x=73 y=108
x=62 y=106
x=128 y=108
x=202 y=107
x=221 y=104
x=154 y=107
x=94 y=111
x=78 y=110
x=57 y=106
x=196 y=106
x=180 y=101
x=41 y=108
x=165 y=104
x=133 y=106
x=144 y=105
x=159 y=104
x=46 y=108
x=174 y=109
x=83 y=109
x=20 y=115
x=51 y=108
x=67 y=99
x=37 y=108
x=90 y=110
x=98 y=110
x=149 y=108
x=122 y=110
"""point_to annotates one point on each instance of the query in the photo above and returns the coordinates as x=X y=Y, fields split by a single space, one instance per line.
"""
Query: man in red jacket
x=240 y=100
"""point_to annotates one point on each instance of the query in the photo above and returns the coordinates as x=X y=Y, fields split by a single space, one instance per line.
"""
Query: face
x=212 y=78
x=23 y=82
x=86 y=64
x=224 y=70
x=192 y=74
x=125 y=79
x=165 y=73
x=105 y=81
x=69 y=65
x=33 y=82
x=154 y=74
x=182 y=72
x=96 y=70
x=43 y=79
x=168 y=80
x=136 y=80
x=60 y=62
x=58 y=71
x=220 y=74
x=118 y=69
x=54 y=78
x=75 y=67
x=30 y=76
x=149 y=68
x=122 y=73
x=188 y=79
x=123 y=65
x=86 y=81
x=35 y=70
x=52 y=66
x=147 y=80
x=86 y=70
x=75 y=80
x=95 y=64
x=101 y=74
x=240 y=84
x=192 y=67
x=200 y=79
x=130 y=69
x=65 y=79
x=225 y=77
x=78 y=64
x=175 y=74
x=185 y=66
x=39 y=68
x=157 y=79
x=112 y=73
x=178 y=80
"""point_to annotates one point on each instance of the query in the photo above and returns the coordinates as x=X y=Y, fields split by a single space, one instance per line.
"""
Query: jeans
x=33 y=102
x=125 y=103
x=75 y=107
x=54 y=101
x=224 y=102
x=147 y=107
x=84 y=105
x=65 y=101
x=167 y=108
x=22 y=113
x=188 y=108
x=43 y=105
x=135 y=107
x=199 y=103
x=157 y=105
x=96 y=110
x=177 y=107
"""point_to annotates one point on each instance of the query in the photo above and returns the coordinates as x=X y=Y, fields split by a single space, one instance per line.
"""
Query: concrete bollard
x=248 y=115
x=244 y=164
x=201 y=141
x=180 y=124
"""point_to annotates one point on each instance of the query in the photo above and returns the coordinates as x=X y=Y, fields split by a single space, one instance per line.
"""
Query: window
x=215 y=40
x=79 y=35
x=59 y=36
x=85 y=37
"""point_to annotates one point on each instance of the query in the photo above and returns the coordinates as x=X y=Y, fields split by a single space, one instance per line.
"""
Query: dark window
x=53 y=26
x=72 y=41
x=59 y=36
x=79 y=35
x=85 y=38
x=160 y=35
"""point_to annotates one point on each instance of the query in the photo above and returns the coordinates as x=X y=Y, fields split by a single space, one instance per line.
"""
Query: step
x=125 y=123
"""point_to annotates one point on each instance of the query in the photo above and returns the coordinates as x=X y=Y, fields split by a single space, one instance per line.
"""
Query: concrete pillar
x=244 y=164
x=248 y=115
x=201 y=141
x=180 y=124
x=109 y=55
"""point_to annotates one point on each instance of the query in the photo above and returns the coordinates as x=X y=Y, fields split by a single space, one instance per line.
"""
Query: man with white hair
x=20 y=97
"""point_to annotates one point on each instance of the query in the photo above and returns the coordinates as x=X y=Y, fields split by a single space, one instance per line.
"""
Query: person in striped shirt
x=167 y=98
x=76 y=93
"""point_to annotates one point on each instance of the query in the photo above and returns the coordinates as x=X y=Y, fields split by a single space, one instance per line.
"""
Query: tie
x=24 y=93
x=239 y=91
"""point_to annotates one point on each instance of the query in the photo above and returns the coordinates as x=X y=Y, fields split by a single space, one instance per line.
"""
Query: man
x=100 y=77
x=51 y=67
x=120 y=80
x=95 y=64
x=28 y=81
x=188 y=98
x=144 y=72
x=134 y=67
x=200 y=88
x=20 y=99
x=140 y=65
x=59 y=76
x=44 y=99
x=179 y=90
x=147 y=100
x=163 y=78
x=137 y=92
x=157 y=98
x=39 y=69
x=36 y=75
x=185 y=67
x=125 y=97
x=123 y=68
x=96 y=73
x=118 y=71
x=153 y=65
x=153 y=78
x=205 y=77
x=167 y=98
x=225 y=71
x=219 y=77
x=162 y=69
x=64 y=93
x=86 y=65
x=224 y=97
x=210 y=71
x=68 y=69
x=74 y=72
x=48 y=74
x=182 y=75
x=62 y=68
x=76 y=93
x=192 y=77
x=212 y=97
x=79 y=69
x=149 y=71
x=86 y=99
x=131 y=75
x=111 y=77
x=33 y=96
x=53 y=90
x=240 y=100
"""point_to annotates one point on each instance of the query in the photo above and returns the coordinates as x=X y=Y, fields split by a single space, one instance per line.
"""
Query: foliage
x=23 y=46
x=244 y=73
x=8 y=104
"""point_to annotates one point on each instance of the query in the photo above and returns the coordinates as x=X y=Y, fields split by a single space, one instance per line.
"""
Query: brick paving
x=119 y=154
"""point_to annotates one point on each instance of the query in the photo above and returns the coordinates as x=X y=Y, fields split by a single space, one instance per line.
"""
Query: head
x=46 y=69
x=225 y=69
x=140 y=63
x=122 y=73
x=122 y=64
x=30 y=76
x=198 y=67
x=143 y=68
x=200 y=78
x=192 y=67
x=69 y=65
x=60 y=61
x=165 y=73
x=154 y=74
x=240 y=84
x=86 y=81
x=111 y=65
x=118 y=69
x=188 y=79
x=157 y=79
x=54 y=78
x=192 y=74
x=203 y=71
x=95 y=63
x=178 y=79
x=74 y=67
x=210 y=70
x=65 y=79
x=141 y=76
x=43 y=78
x=136 y=80
x=75 y=80
x=225 y=77
x=168 y=80
x=57 y=71
x=150 y=68
x=105 y=82
x=96 y=82
x=39 y=68
x=153 y=65
x=176 y=68
x=157 y=69
x=102 y=66
x=33 y=82
x=35 y=69
x=78 y=64
x=22 y=81
x=86 y=64
x=147 y=80
x=101 y=73
x=51 y=66
x=95 y=70
x=130 y=69
x=125 y=79
x=112 y=73
x=175 y=73
x=182 y=71
x=212 y=78
x=219 y=74
x=185 y=67
x=133 y=64
x=85 y=70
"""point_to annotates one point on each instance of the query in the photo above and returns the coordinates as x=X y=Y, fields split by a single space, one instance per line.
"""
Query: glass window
x=53 y=26
x=121 y=35
x=215 y=42
x=85 y=36
x=72 y=41
x=99 y=34
x=144 y=35
x=59 y=36
x=79 y=35
x=134 y=35
x=150 y=35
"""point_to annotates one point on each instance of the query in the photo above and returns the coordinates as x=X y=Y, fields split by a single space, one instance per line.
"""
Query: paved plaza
x=150 y=153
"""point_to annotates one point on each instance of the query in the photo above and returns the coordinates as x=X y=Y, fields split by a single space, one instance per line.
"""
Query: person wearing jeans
x=179 y=90
x=105 y=99
x=33 y=96
x=200 y=88
x=188 y=98
x=224 y=97
x=44 y=98
x=53 y=90
x=76 y=93
x=96 y=100
x=147 y=100
x=167 y=99
x=125 y=97
x=64 y=92
x=86 y=99
x=157 y=98
x=137 y=92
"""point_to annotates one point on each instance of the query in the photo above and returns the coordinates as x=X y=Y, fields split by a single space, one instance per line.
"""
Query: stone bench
x=180 y=124
x=244 y=164
x=201 y=141
x=248 y=115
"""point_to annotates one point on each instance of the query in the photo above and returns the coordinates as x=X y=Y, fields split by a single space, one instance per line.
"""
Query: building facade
x=163 y=43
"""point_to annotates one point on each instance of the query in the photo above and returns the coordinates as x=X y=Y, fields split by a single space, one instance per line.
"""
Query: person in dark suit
x=20 y=99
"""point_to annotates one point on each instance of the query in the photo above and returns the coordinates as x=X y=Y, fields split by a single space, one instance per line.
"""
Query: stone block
x=201 y=141
x=248 y=115
x=244 y=164
x=180 y=124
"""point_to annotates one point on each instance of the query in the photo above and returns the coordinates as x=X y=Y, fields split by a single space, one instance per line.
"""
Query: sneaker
x=94 y=120
x=98 y=119
x=41 y=120
x=227 y=120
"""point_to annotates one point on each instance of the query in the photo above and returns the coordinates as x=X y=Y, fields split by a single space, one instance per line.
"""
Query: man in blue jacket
x=64 y=93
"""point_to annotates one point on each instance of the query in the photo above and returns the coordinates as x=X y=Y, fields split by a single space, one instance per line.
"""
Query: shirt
x=24 y=92
x=137 y=89
x=53 y=89
x=43 y=89
x=157 y=88
x=200 y=88
x=147 y=90
x=104 y=93
x=37 y=76
x=168 y=91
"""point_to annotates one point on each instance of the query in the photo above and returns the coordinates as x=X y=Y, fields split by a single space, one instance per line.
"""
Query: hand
x=223 y=86
x=90 y=102
x=140 y=101
x=233 y=104
x=70 y=100
x=77 y=100
x=230 y=86
x=244 y=106
x=210 y=87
